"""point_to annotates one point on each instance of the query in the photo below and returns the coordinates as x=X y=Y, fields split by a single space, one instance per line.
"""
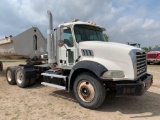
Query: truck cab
x=73 y=34
x=84 y=42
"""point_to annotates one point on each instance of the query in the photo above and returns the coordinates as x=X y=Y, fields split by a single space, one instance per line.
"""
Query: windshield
x=88 y=33
x=156 y=49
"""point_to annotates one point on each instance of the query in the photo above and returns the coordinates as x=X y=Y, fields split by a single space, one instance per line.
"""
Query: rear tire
x=21 y=78
x=89 y=91
x=1 y=66
x=10 y=75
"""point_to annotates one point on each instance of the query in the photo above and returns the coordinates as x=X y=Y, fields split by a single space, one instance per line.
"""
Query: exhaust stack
x=50 y=43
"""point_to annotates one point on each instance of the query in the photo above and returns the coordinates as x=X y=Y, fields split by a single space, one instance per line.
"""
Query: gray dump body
x=28 y=44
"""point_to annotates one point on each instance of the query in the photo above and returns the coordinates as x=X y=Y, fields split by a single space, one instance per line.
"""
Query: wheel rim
x=19 y=77
x=9 y=76
x=86 y=91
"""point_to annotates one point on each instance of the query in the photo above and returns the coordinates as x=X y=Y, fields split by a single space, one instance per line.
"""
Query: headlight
x=113 y=74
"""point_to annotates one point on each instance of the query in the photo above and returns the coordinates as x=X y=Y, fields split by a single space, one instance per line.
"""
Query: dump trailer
x=80 y=60
x=28 y=45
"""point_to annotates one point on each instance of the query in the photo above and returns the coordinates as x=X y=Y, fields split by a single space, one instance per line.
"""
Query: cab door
x=66 y=53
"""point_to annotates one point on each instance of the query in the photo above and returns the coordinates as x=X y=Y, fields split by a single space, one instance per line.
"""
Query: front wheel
x=89 y=91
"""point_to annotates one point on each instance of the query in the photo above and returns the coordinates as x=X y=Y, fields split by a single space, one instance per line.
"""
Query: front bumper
x=153 y=60
x=135 y=89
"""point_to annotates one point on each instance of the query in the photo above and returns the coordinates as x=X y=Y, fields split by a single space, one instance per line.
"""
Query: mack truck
x=80 y=60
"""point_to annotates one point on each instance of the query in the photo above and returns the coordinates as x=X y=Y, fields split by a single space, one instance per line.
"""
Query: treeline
x=147 y=49
x=106 y=37
x=155 y=48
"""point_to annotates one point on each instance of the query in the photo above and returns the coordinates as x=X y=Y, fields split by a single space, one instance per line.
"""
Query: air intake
x=86 y=52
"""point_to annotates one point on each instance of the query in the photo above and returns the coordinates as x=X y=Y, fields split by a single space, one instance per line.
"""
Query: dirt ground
x=44 y=103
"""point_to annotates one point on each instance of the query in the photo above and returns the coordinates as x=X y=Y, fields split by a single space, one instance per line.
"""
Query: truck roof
x=81 y=23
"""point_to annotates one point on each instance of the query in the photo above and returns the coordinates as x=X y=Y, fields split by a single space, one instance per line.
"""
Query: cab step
x=53 y=85
x=54 y=75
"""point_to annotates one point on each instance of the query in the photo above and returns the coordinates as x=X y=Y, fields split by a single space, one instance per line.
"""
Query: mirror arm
x=65 y=46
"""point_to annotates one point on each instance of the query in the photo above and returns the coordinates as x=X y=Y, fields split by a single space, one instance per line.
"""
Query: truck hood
x=114 y=56
x=109 y=50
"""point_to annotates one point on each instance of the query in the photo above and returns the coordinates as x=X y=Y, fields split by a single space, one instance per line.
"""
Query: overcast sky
x=125 y=20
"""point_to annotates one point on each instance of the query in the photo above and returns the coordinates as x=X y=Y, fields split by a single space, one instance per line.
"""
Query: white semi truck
x=80 y=60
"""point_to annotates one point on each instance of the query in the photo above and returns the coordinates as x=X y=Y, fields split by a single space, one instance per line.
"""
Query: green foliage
x=147 y=49
x=106 y=37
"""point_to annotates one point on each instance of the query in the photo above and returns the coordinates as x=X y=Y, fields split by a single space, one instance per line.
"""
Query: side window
x=68 y=39
x=35 y=42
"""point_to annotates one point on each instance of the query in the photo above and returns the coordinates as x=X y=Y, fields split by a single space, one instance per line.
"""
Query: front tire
x=21 y=78
x=89 y=91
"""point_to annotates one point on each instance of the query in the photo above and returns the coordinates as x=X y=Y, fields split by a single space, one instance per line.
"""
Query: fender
x=29 y=71
x=95 y=67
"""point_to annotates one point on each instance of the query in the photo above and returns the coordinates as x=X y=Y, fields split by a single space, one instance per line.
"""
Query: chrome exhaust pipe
x=50 y=43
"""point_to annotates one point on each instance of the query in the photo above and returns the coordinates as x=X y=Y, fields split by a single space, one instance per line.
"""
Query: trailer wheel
x=21 y=78
x=89 y=91
x=10 y=75
x=1 y=66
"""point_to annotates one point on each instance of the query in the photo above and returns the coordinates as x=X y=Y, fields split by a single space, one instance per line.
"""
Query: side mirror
x=60 y=43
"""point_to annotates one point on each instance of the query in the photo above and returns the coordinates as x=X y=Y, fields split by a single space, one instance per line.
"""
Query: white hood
x=114 y=56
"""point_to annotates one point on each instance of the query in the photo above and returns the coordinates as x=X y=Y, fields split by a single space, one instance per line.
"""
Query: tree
x=147 y=49
x=106 y=37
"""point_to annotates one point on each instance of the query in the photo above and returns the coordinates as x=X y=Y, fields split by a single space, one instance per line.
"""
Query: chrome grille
x=151 y=55
x=141 y=63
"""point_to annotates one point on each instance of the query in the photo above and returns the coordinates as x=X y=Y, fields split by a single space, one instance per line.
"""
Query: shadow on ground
x=69 y=96
x=146 y=105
